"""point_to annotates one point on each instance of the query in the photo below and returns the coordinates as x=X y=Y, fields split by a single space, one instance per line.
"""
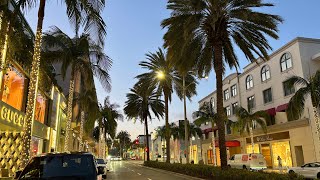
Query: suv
x=102 y=165
x=61 y=166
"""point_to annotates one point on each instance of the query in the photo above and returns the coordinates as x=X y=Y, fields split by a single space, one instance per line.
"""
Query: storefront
x=272 y=146
x=233 y=147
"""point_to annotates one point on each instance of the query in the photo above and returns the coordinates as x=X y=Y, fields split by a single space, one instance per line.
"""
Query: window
x=233 y=90
x=267 y=95
x=285 y=62
x=41 y=108
x=228 y=111
x=212 y=102
x=226 y=94
x=249 y=82
x=251 y=103
x=265 y=73
x=234 y=108
x=13 y=88
x=287 y=88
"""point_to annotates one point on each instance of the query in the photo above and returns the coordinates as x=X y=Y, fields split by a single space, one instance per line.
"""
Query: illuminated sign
x=11 y=116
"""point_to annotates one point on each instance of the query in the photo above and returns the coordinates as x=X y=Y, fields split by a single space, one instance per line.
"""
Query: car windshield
x=60 y=167
x=100 y=161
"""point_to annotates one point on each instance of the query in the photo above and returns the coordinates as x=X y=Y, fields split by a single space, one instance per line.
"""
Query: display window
x=282 y=150
x=36 y=146
x=41 y=107
x=13 y=88
x=256 y=148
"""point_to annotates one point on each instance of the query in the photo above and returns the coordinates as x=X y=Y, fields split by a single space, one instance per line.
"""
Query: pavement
x=134 y=170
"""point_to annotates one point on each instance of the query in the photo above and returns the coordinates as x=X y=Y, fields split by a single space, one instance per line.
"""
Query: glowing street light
x=160 y=75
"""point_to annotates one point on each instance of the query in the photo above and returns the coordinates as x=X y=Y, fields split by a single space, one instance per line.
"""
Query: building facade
x=262 y=86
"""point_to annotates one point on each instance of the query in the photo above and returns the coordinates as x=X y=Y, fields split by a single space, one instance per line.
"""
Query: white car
x=309 y=170
x=248 y=161
x=102 y=166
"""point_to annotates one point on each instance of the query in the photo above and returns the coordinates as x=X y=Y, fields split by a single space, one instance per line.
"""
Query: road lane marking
x=139 y=174
x=132 y=170
x=149 y=179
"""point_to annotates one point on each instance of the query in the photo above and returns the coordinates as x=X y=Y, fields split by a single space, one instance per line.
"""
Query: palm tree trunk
x=81 y=131
x=166 y=101
x=69 y=114
x=33 y=86
x=251 y=136
x=186 y=139
x=147 y=136
x=218 y=66
x=317 y=120
x=214 y=146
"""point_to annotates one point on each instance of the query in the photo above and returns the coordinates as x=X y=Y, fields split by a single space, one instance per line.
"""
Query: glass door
x=266 y=152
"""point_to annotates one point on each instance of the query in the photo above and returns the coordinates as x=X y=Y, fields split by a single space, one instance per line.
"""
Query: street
x=134 y=170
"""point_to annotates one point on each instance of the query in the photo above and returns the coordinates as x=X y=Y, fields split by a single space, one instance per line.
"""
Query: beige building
x=262 y=86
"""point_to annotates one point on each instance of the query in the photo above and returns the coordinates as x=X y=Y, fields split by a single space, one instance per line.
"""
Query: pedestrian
x=280 y=163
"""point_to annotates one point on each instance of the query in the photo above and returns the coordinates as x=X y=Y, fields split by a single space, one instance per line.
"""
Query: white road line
x=149 y=179
x=132 y=170
x=139 y=174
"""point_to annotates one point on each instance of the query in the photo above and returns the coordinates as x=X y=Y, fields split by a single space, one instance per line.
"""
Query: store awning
x=282 y=107
x=233 y=143
x=205 y=131
x=271 y=111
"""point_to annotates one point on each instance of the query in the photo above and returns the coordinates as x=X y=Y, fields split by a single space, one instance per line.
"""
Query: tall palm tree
x=141 y=101
x=206 y=114
x=80 y=14
x=204 y=31
x=83 y=56
x=309 y=88
x=162 y=74
x=124 y=141
x=246 y=121
x=110 y=115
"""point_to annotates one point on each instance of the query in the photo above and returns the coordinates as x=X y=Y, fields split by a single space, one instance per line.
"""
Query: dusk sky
x=133 y=28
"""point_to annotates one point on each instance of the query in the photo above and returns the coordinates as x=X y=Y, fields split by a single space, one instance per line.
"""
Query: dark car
x=71 y=166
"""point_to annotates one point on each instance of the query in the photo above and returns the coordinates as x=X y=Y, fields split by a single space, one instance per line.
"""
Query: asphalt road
x=134 y=170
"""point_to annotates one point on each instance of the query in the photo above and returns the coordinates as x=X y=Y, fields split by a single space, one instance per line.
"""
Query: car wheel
x=244 y=167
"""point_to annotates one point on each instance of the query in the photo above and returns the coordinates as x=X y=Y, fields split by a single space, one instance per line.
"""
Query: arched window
x=265 y=73
x=285 y=61
x=249 y=82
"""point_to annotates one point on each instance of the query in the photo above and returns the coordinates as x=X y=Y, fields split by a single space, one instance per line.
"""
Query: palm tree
x=206 y=114
x=162 y=74
x=110 y=115
x=85 y=58
x=204 y=30
x=124 y=141
x=139 y=102
x=246 y=122
x=80 y=13
x=309 y=88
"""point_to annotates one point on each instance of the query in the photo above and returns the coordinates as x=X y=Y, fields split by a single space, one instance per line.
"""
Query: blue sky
x=134 y=30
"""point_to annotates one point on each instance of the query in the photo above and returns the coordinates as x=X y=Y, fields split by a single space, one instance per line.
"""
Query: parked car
x=102 y=165
x=61 y=166
x=248 y=161
x=309 y=170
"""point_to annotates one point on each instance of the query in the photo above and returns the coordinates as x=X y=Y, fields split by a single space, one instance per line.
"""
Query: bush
x=210 y=172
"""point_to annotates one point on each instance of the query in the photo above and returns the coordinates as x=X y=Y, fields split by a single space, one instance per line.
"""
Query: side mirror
x=16 y=176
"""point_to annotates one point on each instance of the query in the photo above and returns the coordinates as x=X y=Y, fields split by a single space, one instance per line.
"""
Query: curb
x=170 y=172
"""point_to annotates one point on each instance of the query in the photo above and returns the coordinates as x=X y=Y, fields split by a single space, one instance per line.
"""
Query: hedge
x=211 y=172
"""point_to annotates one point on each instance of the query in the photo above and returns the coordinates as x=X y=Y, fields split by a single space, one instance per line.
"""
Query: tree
x=162 y=74
x=81 y=14
x=140 y=101
x=110 y=115
x=246 y=122
x=85 y=59
x=124 y=141
x=206 y=114
x=205 y=30
x=308 y=88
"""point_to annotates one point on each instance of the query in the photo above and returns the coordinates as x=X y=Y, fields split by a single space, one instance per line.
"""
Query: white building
x=262 y=86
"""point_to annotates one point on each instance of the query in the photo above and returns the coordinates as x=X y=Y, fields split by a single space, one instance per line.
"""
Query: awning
x=271 y=111
x=282 y=107
x=233 y=143
x=205 y=131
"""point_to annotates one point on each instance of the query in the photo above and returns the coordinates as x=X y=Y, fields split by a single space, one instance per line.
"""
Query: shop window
x=282 y=149
x=256 y=148
x=41 y=108
x=13 y=88
x=36 y=146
